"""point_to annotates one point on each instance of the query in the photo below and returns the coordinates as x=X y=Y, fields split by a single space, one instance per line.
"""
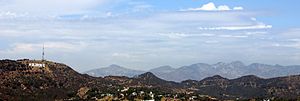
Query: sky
x=145 y=34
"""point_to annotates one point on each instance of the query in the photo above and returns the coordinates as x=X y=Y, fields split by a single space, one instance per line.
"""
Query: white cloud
x=223 y=8
x=233 y=36
x=126 y=57
x=53 y=46
x=288 y=39
x=212 y=7
x=238 y=8
x=22 y=47
x=253 y=26
x=250 y=27
x=15 y=32
x=292 y=33
x=287 y=45
x=50 y=6
x=122 y=55
x=211 y=42
x=206 y=35
x=294 y=40
x=255 y=33
x=174 y=35
x=7 y=14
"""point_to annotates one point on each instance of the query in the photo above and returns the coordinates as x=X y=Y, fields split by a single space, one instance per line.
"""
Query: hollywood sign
x=36 y=65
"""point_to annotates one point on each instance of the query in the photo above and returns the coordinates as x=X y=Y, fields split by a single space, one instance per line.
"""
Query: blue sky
x=144 y=34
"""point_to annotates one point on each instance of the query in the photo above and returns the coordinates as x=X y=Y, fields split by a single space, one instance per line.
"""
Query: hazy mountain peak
x=114 y=70
x=237 y=63
x=162 y=70
x=166 y=67
x=115 y=66
x=250 y=76
x=215 y=77
x=277 y=65
x=150 y=77
x=220 y=64
x=200 y=64
x=257 y=64
x=147 y=75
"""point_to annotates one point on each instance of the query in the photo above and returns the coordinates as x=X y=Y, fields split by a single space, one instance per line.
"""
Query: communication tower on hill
x=43 y=53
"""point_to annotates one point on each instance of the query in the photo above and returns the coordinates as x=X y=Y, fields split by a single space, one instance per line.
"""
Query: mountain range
x=57 y=81
x=202 y=70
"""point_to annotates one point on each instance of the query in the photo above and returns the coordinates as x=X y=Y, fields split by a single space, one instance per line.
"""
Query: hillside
x=56 y=81
x=19 y=81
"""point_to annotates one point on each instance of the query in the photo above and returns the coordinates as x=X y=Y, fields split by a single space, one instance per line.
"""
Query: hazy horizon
x=140 y=34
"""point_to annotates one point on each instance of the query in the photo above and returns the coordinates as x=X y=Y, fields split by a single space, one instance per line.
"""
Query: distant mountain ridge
x=162 y=70
x=113 y=70
x=199 y=71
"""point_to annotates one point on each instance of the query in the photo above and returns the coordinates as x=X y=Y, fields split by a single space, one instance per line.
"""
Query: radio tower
x=43 y=54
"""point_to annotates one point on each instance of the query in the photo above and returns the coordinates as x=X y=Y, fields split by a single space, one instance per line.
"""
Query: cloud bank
x=212 y=7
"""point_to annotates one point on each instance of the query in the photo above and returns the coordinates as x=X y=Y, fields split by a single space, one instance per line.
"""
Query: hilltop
x=59 y=81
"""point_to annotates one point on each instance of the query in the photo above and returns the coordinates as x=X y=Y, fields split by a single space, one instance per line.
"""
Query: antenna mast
x=43 y=54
